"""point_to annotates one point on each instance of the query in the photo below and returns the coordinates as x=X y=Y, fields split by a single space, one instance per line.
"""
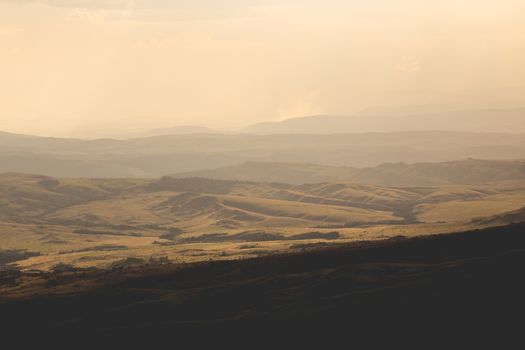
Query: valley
x=99 y=222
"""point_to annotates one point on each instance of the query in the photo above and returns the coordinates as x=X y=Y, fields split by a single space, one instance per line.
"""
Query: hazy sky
x=81 y=67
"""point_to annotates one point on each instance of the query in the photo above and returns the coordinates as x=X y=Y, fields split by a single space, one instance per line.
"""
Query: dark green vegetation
x=433 y=288
x=10 y=256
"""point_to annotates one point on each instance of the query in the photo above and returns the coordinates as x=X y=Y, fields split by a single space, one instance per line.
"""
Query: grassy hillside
x=408 y=288
x=510 y=217
x=96 y=222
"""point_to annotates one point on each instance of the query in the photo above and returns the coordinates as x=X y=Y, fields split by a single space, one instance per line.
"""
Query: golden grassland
x=97 y=222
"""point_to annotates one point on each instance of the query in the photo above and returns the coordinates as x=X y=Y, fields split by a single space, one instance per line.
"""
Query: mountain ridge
x=469 y=171
x=500 y=120
x=157 y=156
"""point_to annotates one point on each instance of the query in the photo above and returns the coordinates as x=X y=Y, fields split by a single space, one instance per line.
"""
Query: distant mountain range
x=490 y=120
x=156 y=156
x=465 y=172
x=177 y=130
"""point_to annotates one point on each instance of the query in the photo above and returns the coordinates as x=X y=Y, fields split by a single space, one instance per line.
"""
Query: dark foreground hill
x=464 y=287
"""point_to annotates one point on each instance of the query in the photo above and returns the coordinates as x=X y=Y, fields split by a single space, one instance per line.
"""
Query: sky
x=94 y=68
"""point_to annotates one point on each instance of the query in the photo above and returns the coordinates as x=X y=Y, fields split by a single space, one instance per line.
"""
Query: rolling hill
x=510 y=217
x=464 y=172
x=97 y=222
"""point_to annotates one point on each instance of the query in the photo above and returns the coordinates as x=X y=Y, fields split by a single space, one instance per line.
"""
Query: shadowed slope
x=470 y=280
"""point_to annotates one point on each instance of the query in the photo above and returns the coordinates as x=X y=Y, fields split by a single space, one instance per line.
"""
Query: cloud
x=305 y=105
x=10 y=52
x=169 y=43
x=87 y=4
x=143 y=4
x=9 y=30
x=81 y=14
x=409 y=64
x=153 y=10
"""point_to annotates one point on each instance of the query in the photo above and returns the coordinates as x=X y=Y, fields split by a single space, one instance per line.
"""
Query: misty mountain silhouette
x=161 y=155
x=490 y=120
x=470 y=171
